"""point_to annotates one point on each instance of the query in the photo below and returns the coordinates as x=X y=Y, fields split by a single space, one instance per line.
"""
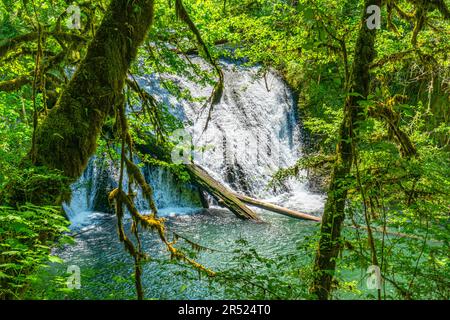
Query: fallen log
x=226 y=197
x=275 y=208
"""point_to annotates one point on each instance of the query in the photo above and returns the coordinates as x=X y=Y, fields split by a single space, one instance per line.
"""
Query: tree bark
x=334 y=212
x=68 y=135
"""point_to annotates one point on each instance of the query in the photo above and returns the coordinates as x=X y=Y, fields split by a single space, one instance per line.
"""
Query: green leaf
x=55 y=259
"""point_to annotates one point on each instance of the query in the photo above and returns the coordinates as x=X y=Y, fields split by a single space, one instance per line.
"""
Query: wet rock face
x=236 y=178
x=104 y=183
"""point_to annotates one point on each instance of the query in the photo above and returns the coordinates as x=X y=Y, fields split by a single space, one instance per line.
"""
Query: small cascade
x=87 y=190
x=171 y=196
x=90 y=192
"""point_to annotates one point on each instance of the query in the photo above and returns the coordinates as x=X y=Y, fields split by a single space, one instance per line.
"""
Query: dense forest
x=225 y=149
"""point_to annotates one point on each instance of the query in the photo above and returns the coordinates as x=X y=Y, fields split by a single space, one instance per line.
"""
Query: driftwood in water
x=226 y=198
x=230 y=199
x=234 y=202
x=277 y=209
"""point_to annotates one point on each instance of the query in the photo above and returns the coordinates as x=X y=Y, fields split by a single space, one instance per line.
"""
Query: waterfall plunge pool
x=106 y=270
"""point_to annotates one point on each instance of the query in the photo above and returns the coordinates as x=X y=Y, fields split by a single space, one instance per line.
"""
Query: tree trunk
x=334 y=212
x=67 y=137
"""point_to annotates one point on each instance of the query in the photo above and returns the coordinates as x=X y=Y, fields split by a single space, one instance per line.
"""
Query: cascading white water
x=89 y=193
x=83 y=192
x=171 y=196
x=251 y=134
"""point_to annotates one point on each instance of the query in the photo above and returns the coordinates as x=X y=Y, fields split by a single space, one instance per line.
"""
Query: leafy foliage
x=26 y=237
x=404 y=200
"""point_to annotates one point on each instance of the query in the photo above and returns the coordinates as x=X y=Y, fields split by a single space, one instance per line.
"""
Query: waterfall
x=89 y=192
x=248 y=136
x=242 y=141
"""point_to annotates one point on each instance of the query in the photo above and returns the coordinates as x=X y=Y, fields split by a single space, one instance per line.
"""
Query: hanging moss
x=385 y=112
x=134 y=171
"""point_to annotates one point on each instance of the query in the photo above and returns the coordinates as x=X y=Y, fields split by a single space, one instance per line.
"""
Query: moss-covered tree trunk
x=67 y=137
x=334 y=212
